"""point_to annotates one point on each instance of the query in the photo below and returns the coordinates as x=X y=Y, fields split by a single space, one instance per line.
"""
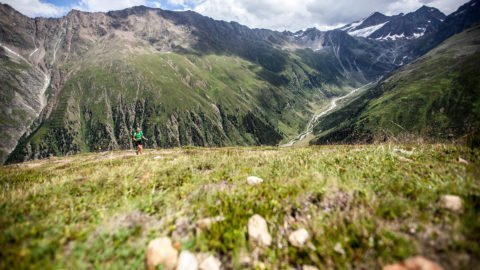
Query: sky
x=270 y=14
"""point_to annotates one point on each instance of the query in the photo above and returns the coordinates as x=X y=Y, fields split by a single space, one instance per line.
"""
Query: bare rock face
x=414 y=263
x=452 y=203
x=160 y=251
x=299 y=237
x=258 y=231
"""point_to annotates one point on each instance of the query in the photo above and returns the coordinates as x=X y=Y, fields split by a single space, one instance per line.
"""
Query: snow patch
x=367 y=31
x=392 y=37
x=298 y=35
x=353 y=25
x=30 y=55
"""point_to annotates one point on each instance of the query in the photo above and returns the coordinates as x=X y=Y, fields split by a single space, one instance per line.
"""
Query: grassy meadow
x=364 y=206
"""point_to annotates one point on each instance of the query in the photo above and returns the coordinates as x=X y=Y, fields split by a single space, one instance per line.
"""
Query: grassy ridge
x=99 y=210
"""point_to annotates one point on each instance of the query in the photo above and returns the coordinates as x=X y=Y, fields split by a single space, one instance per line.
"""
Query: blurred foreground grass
x=379 y=203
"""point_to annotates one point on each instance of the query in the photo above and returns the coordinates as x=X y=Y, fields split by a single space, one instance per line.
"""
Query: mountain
x=413 y=25
x=357 y=58
x=81 y=82
x=466 y=16
x=423 y=98
x=436 y=96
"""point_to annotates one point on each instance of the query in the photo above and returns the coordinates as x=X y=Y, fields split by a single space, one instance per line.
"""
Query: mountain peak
x=427 y=9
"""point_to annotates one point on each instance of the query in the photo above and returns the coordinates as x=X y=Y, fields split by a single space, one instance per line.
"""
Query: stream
x=316 y=117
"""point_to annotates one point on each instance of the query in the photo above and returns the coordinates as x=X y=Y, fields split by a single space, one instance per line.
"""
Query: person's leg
x=141 y=149
x=138 y=149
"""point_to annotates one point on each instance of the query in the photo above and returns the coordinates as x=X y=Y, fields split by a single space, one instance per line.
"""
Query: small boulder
x=452 y=203
x=298 y=238
x=258 y=231
x=463 y=161
x=339 y=249
x=187 y=261
x=309 y=267
x=210 y=262
x=160 y=251
x=414 y=263
x=254 y=180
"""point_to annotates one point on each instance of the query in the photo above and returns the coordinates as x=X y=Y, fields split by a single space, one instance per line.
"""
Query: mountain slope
x=151 y=68
x=437 y=95
x=184 y=78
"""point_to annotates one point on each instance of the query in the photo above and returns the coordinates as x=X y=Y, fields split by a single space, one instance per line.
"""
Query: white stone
x=258 y=231
x=206 y=223
x=187 y=261
x=254 y=180
x=161 y=252
x=452 y=203
x=157 y=157
x=309 y=267
x=299 y=237
x=339 y=249
x=210 y=263
x=463 y=161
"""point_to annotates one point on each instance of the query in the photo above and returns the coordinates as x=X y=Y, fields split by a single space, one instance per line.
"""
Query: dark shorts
x=137 y=143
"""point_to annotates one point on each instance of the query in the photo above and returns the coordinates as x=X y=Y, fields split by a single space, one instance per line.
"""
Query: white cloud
x=300 y=14
x=101 y=5
x=34 y=8
x=271 y=14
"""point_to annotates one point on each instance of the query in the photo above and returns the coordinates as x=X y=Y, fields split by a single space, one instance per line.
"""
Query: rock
x=404 y=159
x=157 y=157
x=254 y=180
x=335 y=200
x=452 y=203
x=299 y=237
x=182 y=225
x=339 y=249
x=258 y=231
x=210 y=263
x=309 y=267
x=206 y=223
x=403 y=151
x=414 y=263
x=463 y=161
x=187 y=261
x=245 y=260
x=161 y=252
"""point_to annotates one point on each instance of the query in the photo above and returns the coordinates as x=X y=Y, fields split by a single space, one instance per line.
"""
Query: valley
x=314 y=120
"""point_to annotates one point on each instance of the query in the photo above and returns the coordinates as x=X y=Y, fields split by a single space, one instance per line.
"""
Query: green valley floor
x=363 y=206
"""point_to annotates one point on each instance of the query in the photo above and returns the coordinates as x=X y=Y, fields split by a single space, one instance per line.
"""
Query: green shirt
x=138 y=135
